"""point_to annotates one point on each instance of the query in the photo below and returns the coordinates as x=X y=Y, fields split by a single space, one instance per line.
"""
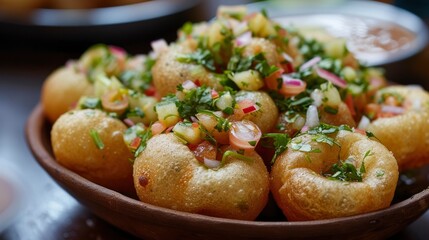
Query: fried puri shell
x=167 y=174
x=266 y=116
x=62 y=89
x=74 y=148
x=168 y=72
x=407 y=134
x=343 y=116
x=264 y=46
x=304 y=193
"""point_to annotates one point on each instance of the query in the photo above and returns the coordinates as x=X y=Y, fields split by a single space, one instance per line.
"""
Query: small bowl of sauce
x=376 y=33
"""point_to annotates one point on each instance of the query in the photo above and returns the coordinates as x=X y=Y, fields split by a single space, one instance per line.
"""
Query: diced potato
x=237 y=12
x=168 y=113
x=331 y=96
x=190 y=132
x=225 y=101
x=261 y=26
x=214 y=34
x=336 y=48
x=349 y=74
x=248 y=80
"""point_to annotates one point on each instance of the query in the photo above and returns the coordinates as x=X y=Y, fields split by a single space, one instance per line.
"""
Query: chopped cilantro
x=280 y=142
x=96 y=138
x=346 y=171
x=201 y=57
x=91 y=103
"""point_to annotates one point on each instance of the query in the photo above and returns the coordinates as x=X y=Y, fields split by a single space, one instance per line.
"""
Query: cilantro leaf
x=280 y=142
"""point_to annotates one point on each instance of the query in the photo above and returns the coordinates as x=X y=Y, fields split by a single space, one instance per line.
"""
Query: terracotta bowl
x=152 y=222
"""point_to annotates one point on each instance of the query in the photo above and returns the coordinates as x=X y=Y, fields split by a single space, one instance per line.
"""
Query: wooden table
x=52 y=214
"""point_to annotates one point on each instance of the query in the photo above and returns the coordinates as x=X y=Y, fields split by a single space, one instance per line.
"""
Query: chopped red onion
x=392 y=109
x=244 y=39
x=334 y=79
x=129 y=122
x=310 y=63
x=159 y=45
x=312 y=119
x=188 y=84
x=363 y=123
x=117 y=51
x=305 y=128
x=210 y=163
x=291 y=81
x=317 y=97
x=287 y=57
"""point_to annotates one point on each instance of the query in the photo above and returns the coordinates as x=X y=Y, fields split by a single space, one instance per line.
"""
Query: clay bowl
x=152 y=222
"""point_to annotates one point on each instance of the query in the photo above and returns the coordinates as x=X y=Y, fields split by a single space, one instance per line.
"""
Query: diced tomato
x=215 y=94
x=205 y=150
x=247 y=106
x=150 y=91
x=350 y=104
x=135 y=143
x=271 y=81
x=157 y=128
x=372 y=110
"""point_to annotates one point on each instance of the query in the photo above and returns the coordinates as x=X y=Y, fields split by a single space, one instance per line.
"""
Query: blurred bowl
x=11 y=194
x=377 y=33
x=152 y=222
x=144 y=19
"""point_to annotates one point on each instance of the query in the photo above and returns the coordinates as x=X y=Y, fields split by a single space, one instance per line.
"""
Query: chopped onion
x=210 y=163
x=317 y=97
x=291 y=86
x=363 y=123
x=129 y=122
x=157 y=128
x=310 y=63
x=334 y=79
x=305 y=128
x=392 y=109
x=287 y=57
x=117 y=51
x=158 y=46
x=248 y=106
x=312 y=119
x=244 y=39
x=188 y=84
x=244 y=135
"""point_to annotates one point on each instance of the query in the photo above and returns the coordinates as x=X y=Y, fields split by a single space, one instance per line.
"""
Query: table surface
x=51 y=213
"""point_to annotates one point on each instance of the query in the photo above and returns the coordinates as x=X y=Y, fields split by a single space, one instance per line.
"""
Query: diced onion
x=188 y=85
x=157 y=128
x=334 y=79
x=129 y=122
x=363 y=123
x=392 y=109
x=244 y=135
x=159 y=46
x=310 y=63
x=305 y=128
x=117 y=51
x=291 y=86
x=312 y=119
x=317 y=97
x=210 y=163
x=243 y=39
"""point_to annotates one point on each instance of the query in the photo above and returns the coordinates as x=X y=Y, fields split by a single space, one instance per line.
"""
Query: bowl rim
x=133 y=207
x=93 y=17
